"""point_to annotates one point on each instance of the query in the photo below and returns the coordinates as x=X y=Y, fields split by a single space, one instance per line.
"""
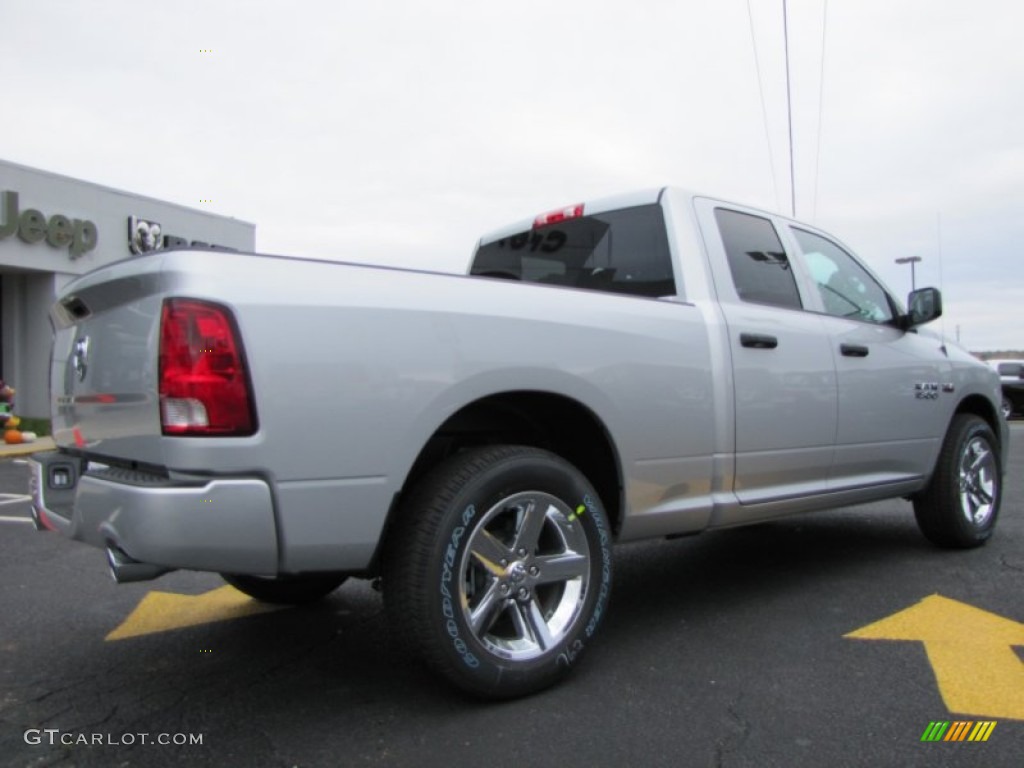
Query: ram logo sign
x=145 y=236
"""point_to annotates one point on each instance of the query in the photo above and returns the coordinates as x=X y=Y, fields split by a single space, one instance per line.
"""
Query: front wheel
x=960 y=506
x=498 y=571
x=287 y=589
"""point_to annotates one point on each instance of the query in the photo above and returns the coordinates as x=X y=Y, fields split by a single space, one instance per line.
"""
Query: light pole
x=911 y=260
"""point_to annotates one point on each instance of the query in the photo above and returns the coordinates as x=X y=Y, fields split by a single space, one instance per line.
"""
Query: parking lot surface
x=838 y=639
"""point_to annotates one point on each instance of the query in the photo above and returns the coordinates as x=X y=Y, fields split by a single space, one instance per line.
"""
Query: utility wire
x=789 y=110
x=821 y=103
x=764 y=108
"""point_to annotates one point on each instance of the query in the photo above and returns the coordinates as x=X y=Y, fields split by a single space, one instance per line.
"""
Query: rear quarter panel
x=353 y=369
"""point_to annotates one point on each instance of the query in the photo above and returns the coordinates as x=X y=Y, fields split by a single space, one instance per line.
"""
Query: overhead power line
x=789 y=111
x=821 y=107
x=764 y=108
x=789 y=108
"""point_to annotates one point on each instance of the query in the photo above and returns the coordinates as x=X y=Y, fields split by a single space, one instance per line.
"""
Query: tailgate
x=103 y=371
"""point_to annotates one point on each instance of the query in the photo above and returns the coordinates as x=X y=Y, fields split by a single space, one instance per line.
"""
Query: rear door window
x=760 y=267
x=623 y=251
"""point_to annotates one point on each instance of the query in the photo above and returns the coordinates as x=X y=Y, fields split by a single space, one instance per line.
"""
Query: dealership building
x=54 y=228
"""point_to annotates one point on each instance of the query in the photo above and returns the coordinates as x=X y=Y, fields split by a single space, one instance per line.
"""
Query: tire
x=286 y=590
x=960 y=506
x=499 y=570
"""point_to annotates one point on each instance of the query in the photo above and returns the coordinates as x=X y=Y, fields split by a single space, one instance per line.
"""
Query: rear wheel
x=961 y=504
x=499 y=570
x=287 y=589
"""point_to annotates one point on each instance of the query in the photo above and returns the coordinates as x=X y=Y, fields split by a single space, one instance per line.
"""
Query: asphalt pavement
x=834 y=639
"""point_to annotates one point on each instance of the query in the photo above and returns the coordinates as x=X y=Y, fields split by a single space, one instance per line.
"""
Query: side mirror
x=924 y=305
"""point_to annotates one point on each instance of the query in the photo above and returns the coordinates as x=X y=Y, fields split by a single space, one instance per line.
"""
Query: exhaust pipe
x=123 y=569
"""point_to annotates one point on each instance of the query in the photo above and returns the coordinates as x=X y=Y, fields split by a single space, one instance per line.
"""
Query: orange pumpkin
x=12 y=437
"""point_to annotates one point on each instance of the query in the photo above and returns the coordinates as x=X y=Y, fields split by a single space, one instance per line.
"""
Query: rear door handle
x=758 y=341
x=853 y=350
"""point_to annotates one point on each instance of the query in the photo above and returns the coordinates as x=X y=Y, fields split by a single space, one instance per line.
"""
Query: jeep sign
x=79 y=236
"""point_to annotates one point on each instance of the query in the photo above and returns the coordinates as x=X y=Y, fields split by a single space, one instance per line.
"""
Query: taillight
x=204 y=388
x=562 y=214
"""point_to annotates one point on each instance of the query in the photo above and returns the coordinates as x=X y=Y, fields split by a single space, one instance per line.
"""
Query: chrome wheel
x=978 y=479
x=500 y=571
x=524 y=576
x=960 y=506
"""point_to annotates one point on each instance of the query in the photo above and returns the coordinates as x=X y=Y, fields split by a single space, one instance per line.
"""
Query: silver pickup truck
x=652 y=365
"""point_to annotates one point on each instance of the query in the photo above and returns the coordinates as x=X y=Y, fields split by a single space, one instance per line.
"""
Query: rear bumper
x=198 y=523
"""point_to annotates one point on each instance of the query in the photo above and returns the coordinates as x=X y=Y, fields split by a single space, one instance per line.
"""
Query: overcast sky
x=397 y=132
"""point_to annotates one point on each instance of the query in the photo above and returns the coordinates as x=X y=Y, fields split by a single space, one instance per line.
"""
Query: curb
x=27 y=449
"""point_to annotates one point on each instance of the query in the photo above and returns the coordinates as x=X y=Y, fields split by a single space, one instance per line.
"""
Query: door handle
x=758 y=341
x=853 y=350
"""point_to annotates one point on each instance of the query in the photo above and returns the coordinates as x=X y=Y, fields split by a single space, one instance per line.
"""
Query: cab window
x=846 y=288
x=623 y=251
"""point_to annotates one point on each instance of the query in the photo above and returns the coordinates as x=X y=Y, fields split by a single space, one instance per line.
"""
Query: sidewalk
x=26 y=449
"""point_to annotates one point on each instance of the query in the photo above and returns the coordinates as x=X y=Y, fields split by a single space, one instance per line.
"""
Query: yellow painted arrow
x=970 y=650
x=163 y=611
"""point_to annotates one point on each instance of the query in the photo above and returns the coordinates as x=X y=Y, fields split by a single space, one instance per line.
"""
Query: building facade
x=54 y=228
